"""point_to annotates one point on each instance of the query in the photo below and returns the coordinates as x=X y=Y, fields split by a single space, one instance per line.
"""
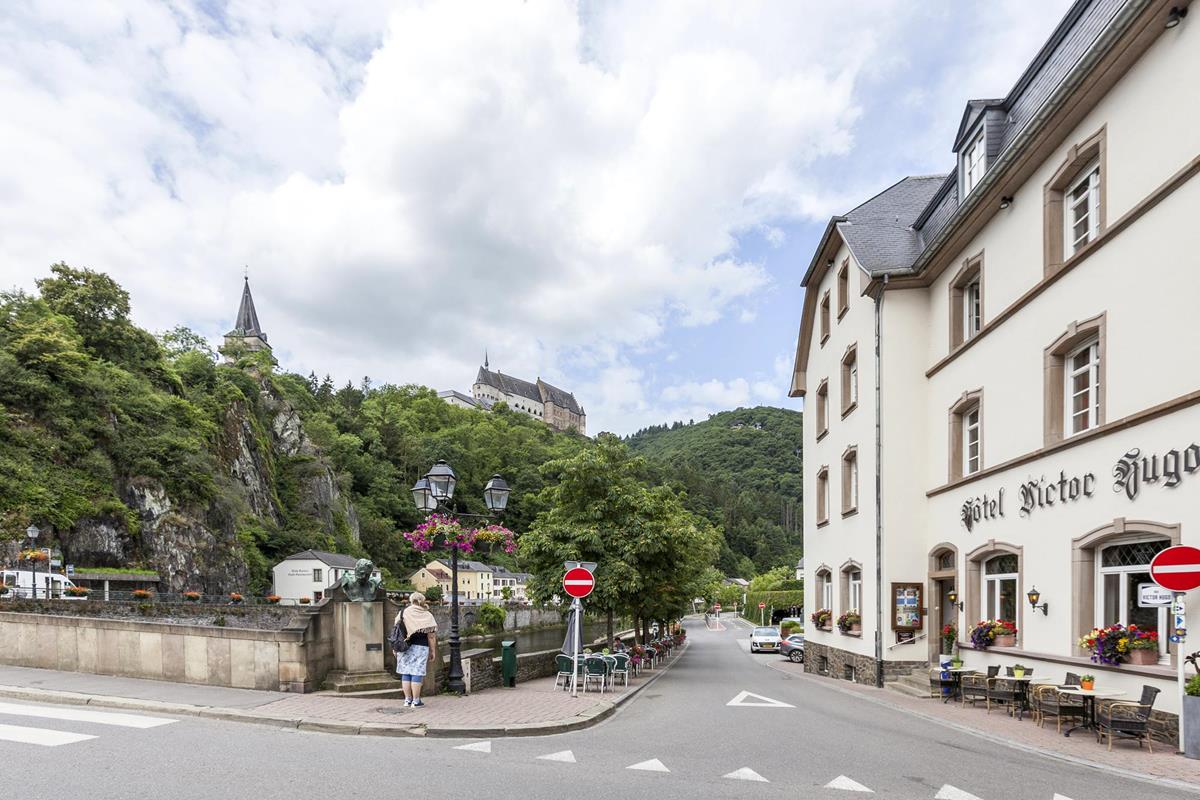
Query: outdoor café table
x=1023 y=705
x=1089 y=705
x=956 y=674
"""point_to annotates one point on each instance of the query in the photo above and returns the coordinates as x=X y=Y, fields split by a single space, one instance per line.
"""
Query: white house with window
x=1023 y=329
x=310 y=574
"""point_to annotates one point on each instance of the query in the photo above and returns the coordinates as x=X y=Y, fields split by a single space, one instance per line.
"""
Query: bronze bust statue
x=362 y=585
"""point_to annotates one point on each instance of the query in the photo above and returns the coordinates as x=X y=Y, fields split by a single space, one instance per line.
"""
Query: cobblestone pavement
x=1164 y=762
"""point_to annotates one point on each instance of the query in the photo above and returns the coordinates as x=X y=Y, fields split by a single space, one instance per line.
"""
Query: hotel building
x=1001 y=370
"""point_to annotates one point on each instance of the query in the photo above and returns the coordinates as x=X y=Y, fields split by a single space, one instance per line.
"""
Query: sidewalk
x=1125 y=758
x=531 y=708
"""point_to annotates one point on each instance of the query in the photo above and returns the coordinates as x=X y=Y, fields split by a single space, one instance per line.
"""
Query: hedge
x=785 y=599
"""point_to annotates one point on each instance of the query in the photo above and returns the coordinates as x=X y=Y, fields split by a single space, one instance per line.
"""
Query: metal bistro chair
x=562 y=663
x=1127 y=719
x=622 y=668
x=648 y=659
x=610 y=662
x=1002 y=692
x=1049 y=701
x=594 y=671
x=974 y=686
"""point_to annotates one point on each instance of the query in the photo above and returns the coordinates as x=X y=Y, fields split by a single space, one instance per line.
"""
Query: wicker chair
x=1003 y=692
x=1127 y=719
x=974 y=686
x=939 y=687
x=1048 y=701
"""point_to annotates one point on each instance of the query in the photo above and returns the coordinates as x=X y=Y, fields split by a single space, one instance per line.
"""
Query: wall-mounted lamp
x=1034 y=595
x=1176 y=16
x=1005 y=202
x=952 y=596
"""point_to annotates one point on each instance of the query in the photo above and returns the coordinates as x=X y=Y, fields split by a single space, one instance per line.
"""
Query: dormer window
x=973 y=164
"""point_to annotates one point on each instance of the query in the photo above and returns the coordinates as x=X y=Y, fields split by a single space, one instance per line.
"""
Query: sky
x=618 y=197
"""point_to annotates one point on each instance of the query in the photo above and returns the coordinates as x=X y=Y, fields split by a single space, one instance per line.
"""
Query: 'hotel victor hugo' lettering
x=1133 y=469
x=1041 y=493
x=983 y=507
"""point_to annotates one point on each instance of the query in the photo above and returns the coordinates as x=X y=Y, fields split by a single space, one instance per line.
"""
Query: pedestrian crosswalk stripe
x=476 y=747
x=745 y=774
x=565 y=756
x=83 y=715
x=846 y=784
x=948 y=792
x=40 y=736
x=653 y=765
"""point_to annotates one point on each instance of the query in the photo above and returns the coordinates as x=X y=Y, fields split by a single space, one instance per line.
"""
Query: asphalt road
x=681 y=731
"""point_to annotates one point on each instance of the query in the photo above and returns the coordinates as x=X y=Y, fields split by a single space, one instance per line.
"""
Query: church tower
x=246 y=333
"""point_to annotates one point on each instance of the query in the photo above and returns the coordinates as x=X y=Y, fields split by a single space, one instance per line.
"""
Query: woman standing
x=411 y=665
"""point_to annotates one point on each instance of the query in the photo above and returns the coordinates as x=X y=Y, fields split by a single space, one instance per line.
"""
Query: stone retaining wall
x=832 y=662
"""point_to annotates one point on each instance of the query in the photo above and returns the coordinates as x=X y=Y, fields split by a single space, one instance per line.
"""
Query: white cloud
x=412 y=183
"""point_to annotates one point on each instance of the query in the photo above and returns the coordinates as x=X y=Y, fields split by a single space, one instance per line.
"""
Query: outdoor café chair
x=974 y=686
x=1002 y=692
x=594 y=671
x=1127 y=719
x=648 y=659
x=939 y=687
x=1048 y=701
x=562 y=663
x=622 y=668
x=611 y=663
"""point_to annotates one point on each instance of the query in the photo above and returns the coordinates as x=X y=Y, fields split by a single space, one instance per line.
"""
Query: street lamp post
x=32 y=532
x=432 y=493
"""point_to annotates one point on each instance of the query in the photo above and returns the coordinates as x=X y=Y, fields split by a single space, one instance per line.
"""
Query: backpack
x=399 y=636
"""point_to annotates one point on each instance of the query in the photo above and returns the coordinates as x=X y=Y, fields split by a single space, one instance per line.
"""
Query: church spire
x=247 y=316
x=485 y=359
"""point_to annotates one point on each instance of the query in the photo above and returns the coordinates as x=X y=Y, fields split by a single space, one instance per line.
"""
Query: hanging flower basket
x=76 y=591
x=142 y=594
x=191 y=597
x=272 y=599
x=35 y=555
x=235 y=598
x=443 y=530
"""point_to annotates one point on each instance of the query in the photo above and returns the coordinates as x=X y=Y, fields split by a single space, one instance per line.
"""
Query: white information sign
x=1151 y=595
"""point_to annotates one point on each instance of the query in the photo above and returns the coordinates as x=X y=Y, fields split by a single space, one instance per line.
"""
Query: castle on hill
x=556 y=407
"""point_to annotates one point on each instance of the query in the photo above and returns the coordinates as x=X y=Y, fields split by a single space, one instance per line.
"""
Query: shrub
x=790 y=626
x=433 y=594
x=1192 y=687
x=491 y=617
x=219 y=621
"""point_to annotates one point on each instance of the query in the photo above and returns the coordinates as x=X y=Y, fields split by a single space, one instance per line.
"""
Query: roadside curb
x=1066 y=757
x=585 y=719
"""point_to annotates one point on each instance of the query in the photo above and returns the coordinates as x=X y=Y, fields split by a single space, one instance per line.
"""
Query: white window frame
x=972 y=296
x=1092 y=370
x=852 y=389
x=1123 y=590
x=1090 y=204
x=971 y=431
x=855 y=591
x=852 y=476
x=991 y=586
x=827 y=591
x=974 y=162
x=318 y=575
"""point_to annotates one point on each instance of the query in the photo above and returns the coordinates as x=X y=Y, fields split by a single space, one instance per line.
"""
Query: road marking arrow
x=764 y=702
x=842 y=782
x=476 y=747
x=745 y=774
x=566 y=756
x=1058 y=796
x=653 y=765
x=948 y=792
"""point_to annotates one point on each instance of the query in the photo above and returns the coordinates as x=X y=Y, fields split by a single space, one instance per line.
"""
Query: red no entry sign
x=1177 y=568
x=762 y=605
x=578 y=582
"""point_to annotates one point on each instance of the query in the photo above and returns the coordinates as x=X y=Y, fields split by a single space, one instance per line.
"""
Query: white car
x=765 y=640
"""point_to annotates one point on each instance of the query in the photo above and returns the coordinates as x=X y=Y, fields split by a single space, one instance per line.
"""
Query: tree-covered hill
x=741 y=470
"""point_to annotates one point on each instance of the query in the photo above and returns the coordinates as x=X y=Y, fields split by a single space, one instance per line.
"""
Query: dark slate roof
x=247 y=316
x=508 y=384
x=880 y=232
x=466 y=398
x=971 y=114
x=559 y=397
x=329 y=559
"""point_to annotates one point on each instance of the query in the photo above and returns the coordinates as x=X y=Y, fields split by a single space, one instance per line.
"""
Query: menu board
x=906 y=607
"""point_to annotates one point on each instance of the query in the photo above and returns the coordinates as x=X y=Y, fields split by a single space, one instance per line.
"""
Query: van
x=20 y=581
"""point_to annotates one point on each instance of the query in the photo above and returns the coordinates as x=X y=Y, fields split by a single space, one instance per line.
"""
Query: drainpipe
x=878 y=487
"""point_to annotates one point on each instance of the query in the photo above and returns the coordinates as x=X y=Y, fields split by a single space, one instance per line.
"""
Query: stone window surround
x=1054 y=409
x=823 y=495
x=956 y=451
x=849 y=456
x=1079 y=157
x=824 y=576
x=975 y=561
x=970 y=271
x=849 y=357
x=844 y=585
x=822 y=408
x=1083 y=567
x=825 y=326
x=843 y=284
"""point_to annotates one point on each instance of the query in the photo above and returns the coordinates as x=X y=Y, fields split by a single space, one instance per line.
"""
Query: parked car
x=793 y=648
x=765 y=639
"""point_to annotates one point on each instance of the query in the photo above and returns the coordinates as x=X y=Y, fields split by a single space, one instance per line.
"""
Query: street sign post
x=578 y=582
x=1177 y=569
x=761 y=620
x=1151 y=595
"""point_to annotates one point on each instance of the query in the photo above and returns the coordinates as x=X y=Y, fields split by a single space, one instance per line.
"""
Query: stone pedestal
x=359 y=639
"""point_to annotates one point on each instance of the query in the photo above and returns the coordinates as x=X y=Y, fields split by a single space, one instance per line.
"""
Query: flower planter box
x=856 y=628
x=1142 y=657
x=826 y=628
x=1005 y=641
